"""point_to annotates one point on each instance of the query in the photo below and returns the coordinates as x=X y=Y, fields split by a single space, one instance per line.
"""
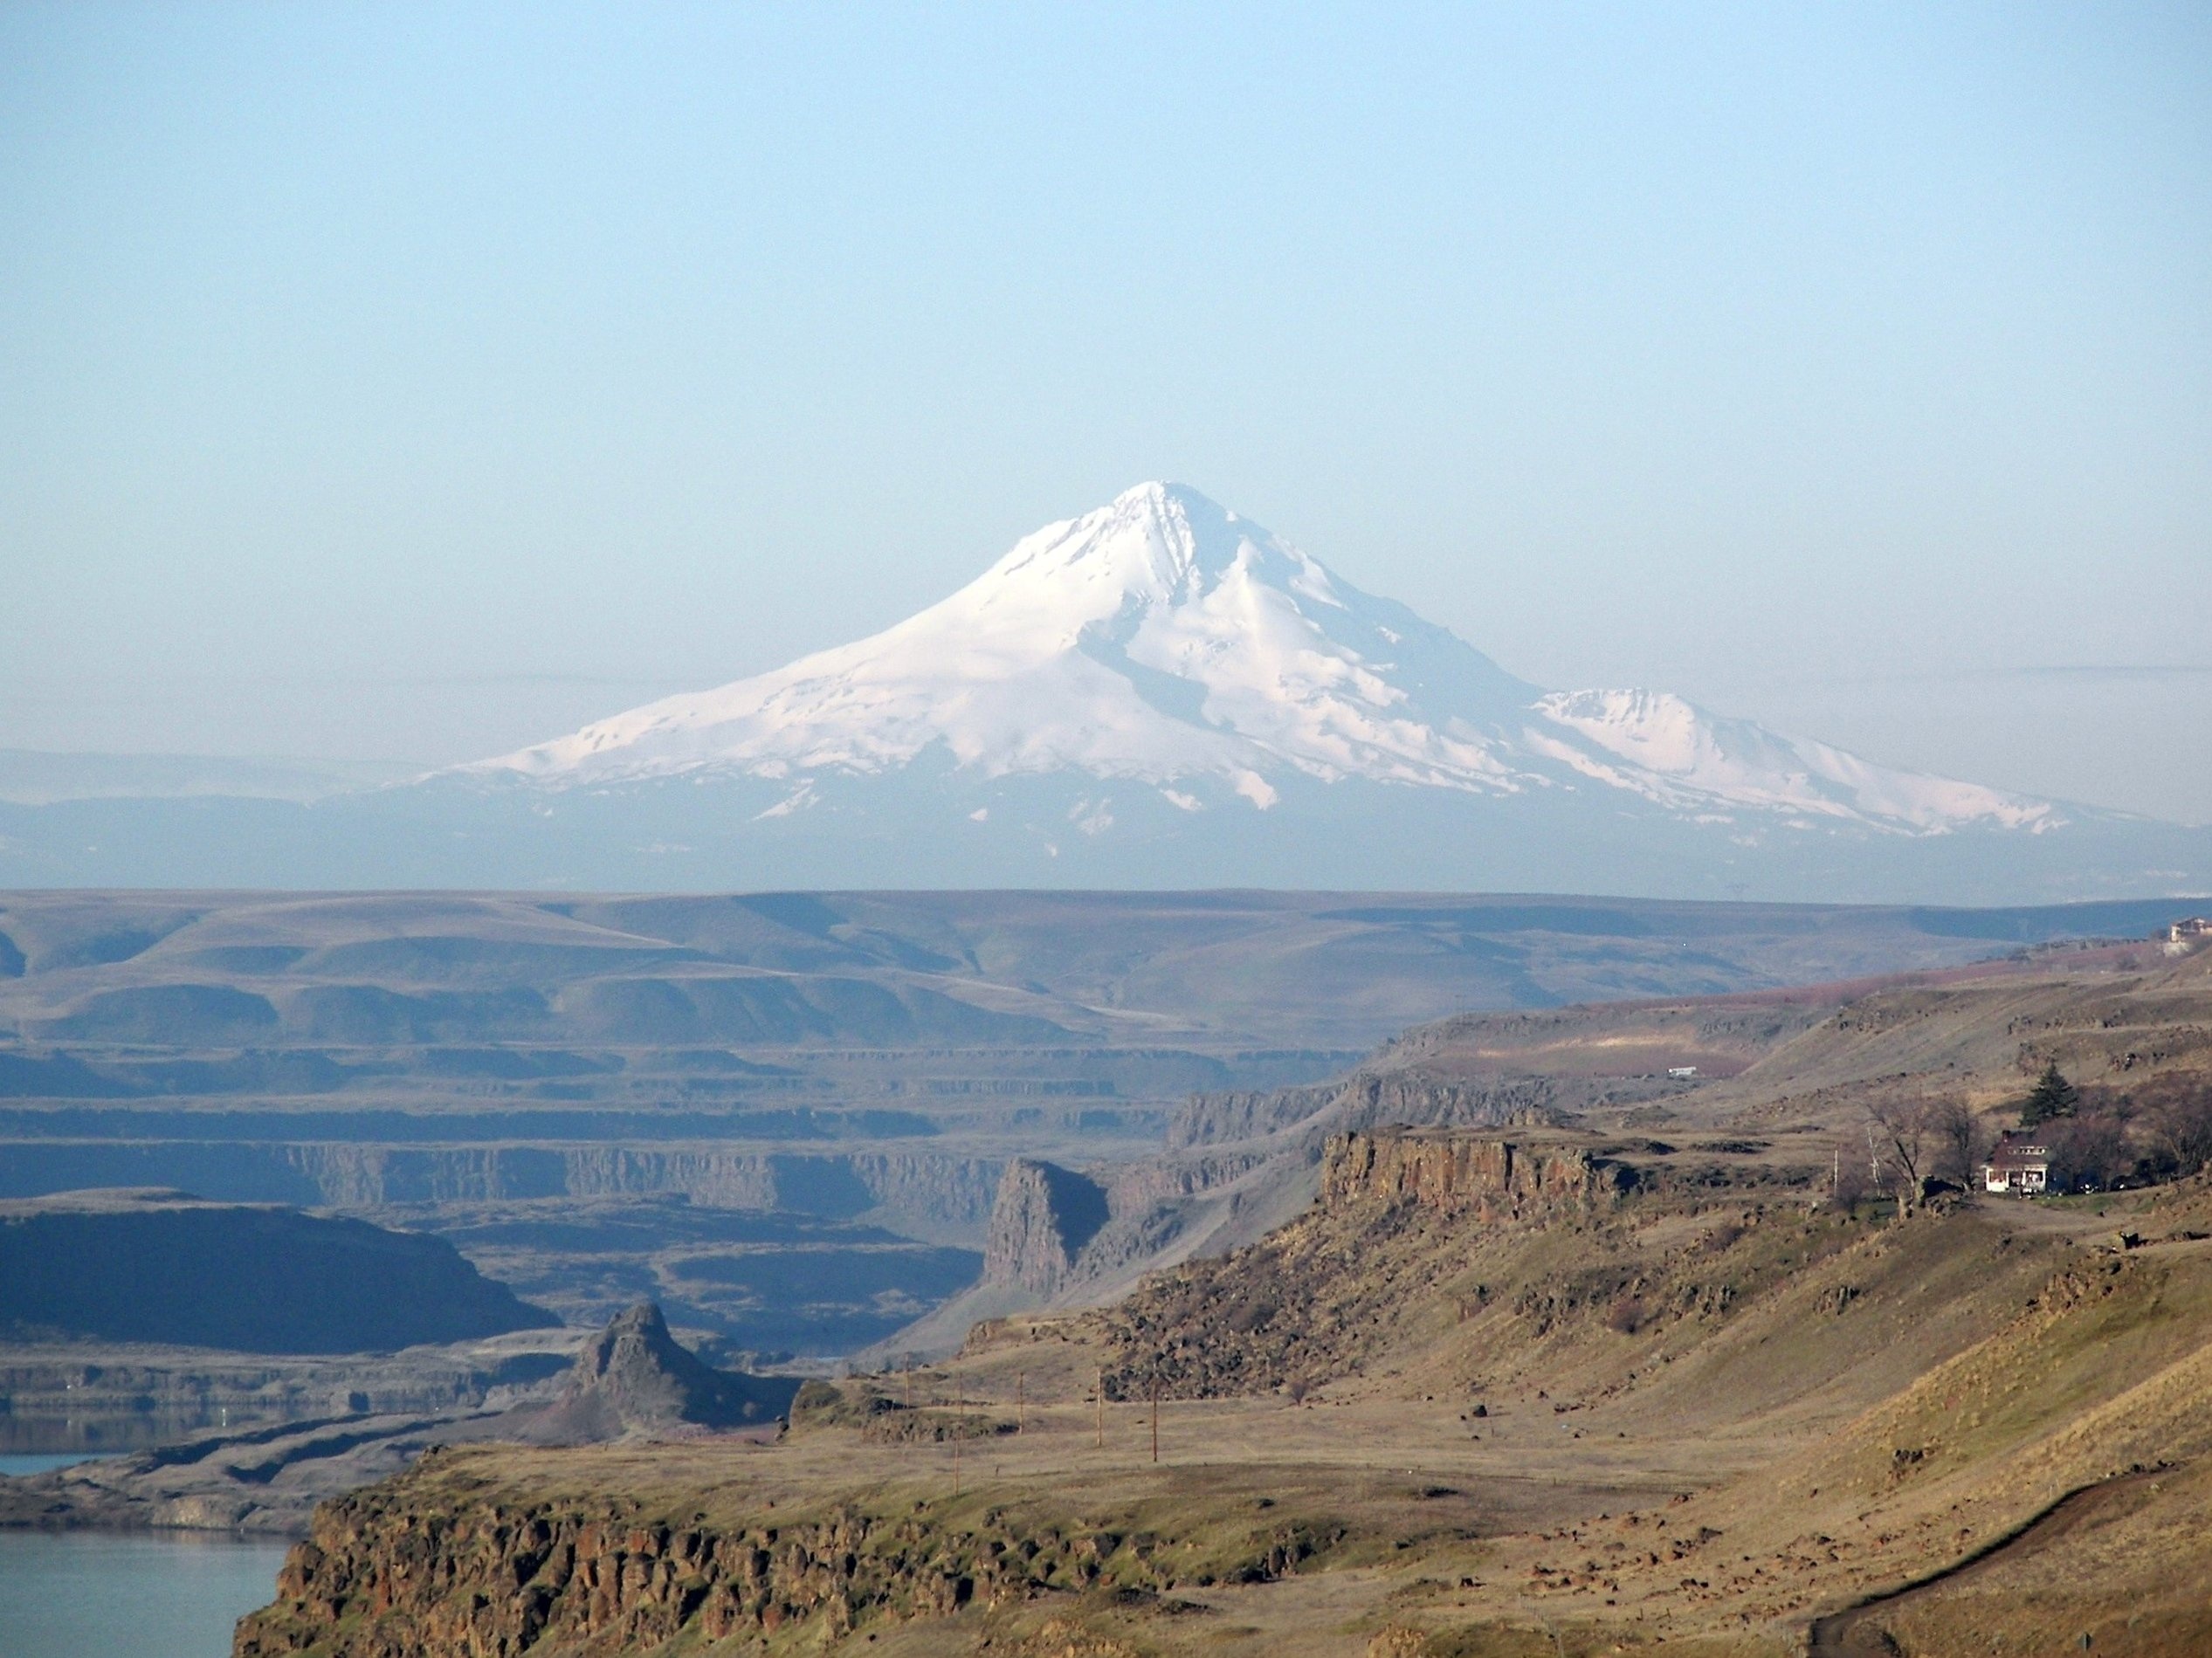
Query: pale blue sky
x=409 y=383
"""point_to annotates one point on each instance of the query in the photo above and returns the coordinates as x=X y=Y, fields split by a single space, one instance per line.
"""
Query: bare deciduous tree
x=2178 y=1112
x=1960 y=1142
x=1904 y=1132
x=2087 y=1150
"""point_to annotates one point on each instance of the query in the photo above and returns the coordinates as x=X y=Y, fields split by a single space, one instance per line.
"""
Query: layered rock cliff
x=485 y=1581
x=442 y=1562
x=1235 y=1165
x=1487 y=1177
x=1044 y=1216
x=1370 y=1099
x=939 y=1197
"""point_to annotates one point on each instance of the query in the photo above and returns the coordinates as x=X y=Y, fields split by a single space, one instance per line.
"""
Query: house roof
x=2021 y=1153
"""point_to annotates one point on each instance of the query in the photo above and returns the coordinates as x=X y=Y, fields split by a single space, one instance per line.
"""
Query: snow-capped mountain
x=1162 y=643
x=1157 y=694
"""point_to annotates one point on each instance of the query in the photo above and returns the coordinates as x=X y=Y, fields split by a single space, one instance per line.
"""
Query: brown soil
x=1465 y=1406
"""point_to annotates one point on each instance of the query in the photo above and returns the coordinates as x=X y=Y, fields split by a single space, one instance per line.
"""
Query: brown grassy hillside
x=1587 y=1388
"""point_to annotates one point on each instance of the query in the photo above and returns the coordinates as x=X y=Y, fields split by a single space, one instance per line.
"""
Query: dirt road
x=1856 y=1632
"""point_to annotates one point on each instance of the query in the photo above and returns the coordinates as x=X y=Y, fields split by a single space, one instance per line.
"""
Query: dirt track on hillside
x=1850 y=1634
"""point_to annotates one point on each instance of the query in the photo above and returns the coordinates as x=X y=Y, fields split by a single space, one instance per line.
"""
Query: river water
x=129 y=1594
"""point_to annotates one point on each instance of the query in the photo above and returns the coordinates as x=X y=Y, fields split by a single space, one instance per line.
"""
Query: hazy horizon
x=389 y=390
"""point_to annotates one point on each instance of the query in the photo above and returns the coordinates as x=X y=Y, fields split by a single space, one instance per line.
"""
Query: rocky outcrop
x=1367 y=1098
x=1486 y=1177
x=1238 y=1164
x=491 y=1583
x=1318 y=1299
x=1043 y=1217
x=1214 y=1118
x=630 y=1382
x=634 y=1380
x=166 y=1266
x=419 y=1568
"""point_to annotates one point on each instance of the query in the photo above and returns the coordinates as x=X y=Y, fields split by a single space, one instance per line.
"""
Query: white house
x=2018 y=1165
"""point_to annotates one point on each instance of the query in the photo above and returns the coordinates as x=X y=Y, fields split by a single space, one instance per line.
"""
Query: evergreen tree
x=2053 y=1095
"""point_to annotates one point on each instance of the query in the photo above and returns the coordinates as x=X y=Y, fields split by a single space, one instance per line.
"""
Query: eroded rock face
x=1311 y=1302
x=635 y=1381
x=415 y=1569
x=1044 y=1216
x=1490 y=1178
x=379 y=1580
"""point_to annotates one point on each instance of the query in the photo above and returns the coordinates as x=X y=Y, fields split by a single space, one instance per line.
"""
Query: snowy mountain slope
x=1156 y=695
x=1662 y=748
x=1164 y=641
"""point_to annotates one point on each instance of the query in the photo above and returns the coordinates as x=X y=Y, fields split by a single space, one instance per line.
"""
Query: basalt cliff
x=1659 y=1380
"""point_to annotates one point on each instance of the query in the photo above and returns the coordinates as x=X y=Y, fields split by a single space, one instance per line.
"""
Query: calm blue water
x=109 y=1594
x=40 y=1464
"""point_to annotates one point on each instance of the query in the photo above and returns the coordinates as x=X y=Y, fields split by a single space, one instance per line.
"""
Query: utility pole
x=1155 y=1415
x=1017 y=1401
x=910 y=1381
x=1100 y=1396
x=955 y=1459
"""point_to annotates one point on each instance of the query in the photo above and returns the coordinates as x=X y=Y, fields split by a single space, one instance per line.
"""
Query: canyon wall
x=935 y=1196
x=1482 y=1175
x=1367 y=1098
x=1043 y=1217
x=1236 y=1164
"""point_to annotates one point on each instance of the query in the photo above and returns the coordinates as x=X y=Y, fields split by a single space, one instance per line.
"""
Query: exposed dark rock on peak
x=635 y=1381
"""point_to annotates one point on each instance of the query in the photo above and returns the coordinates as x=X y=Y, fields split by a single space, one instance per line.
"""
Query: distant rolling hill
x=165 y=1267
x=783 y=1115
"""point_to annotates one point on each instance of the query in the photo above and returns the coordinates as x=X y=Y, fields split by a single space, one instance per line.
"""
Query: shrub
x=2178 y=1111
x=1850 y=1182
x=2088 y=1150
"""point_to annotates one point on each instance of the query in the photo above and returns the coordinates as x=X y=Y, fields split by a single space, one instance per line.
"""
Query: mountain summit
x=1160 y=693
x=1165 y=642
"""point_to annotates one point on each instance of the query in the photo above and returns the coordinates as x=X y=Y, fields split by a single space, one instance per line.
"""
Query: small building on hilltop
x=2020 y=1165
x=2183 y=936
